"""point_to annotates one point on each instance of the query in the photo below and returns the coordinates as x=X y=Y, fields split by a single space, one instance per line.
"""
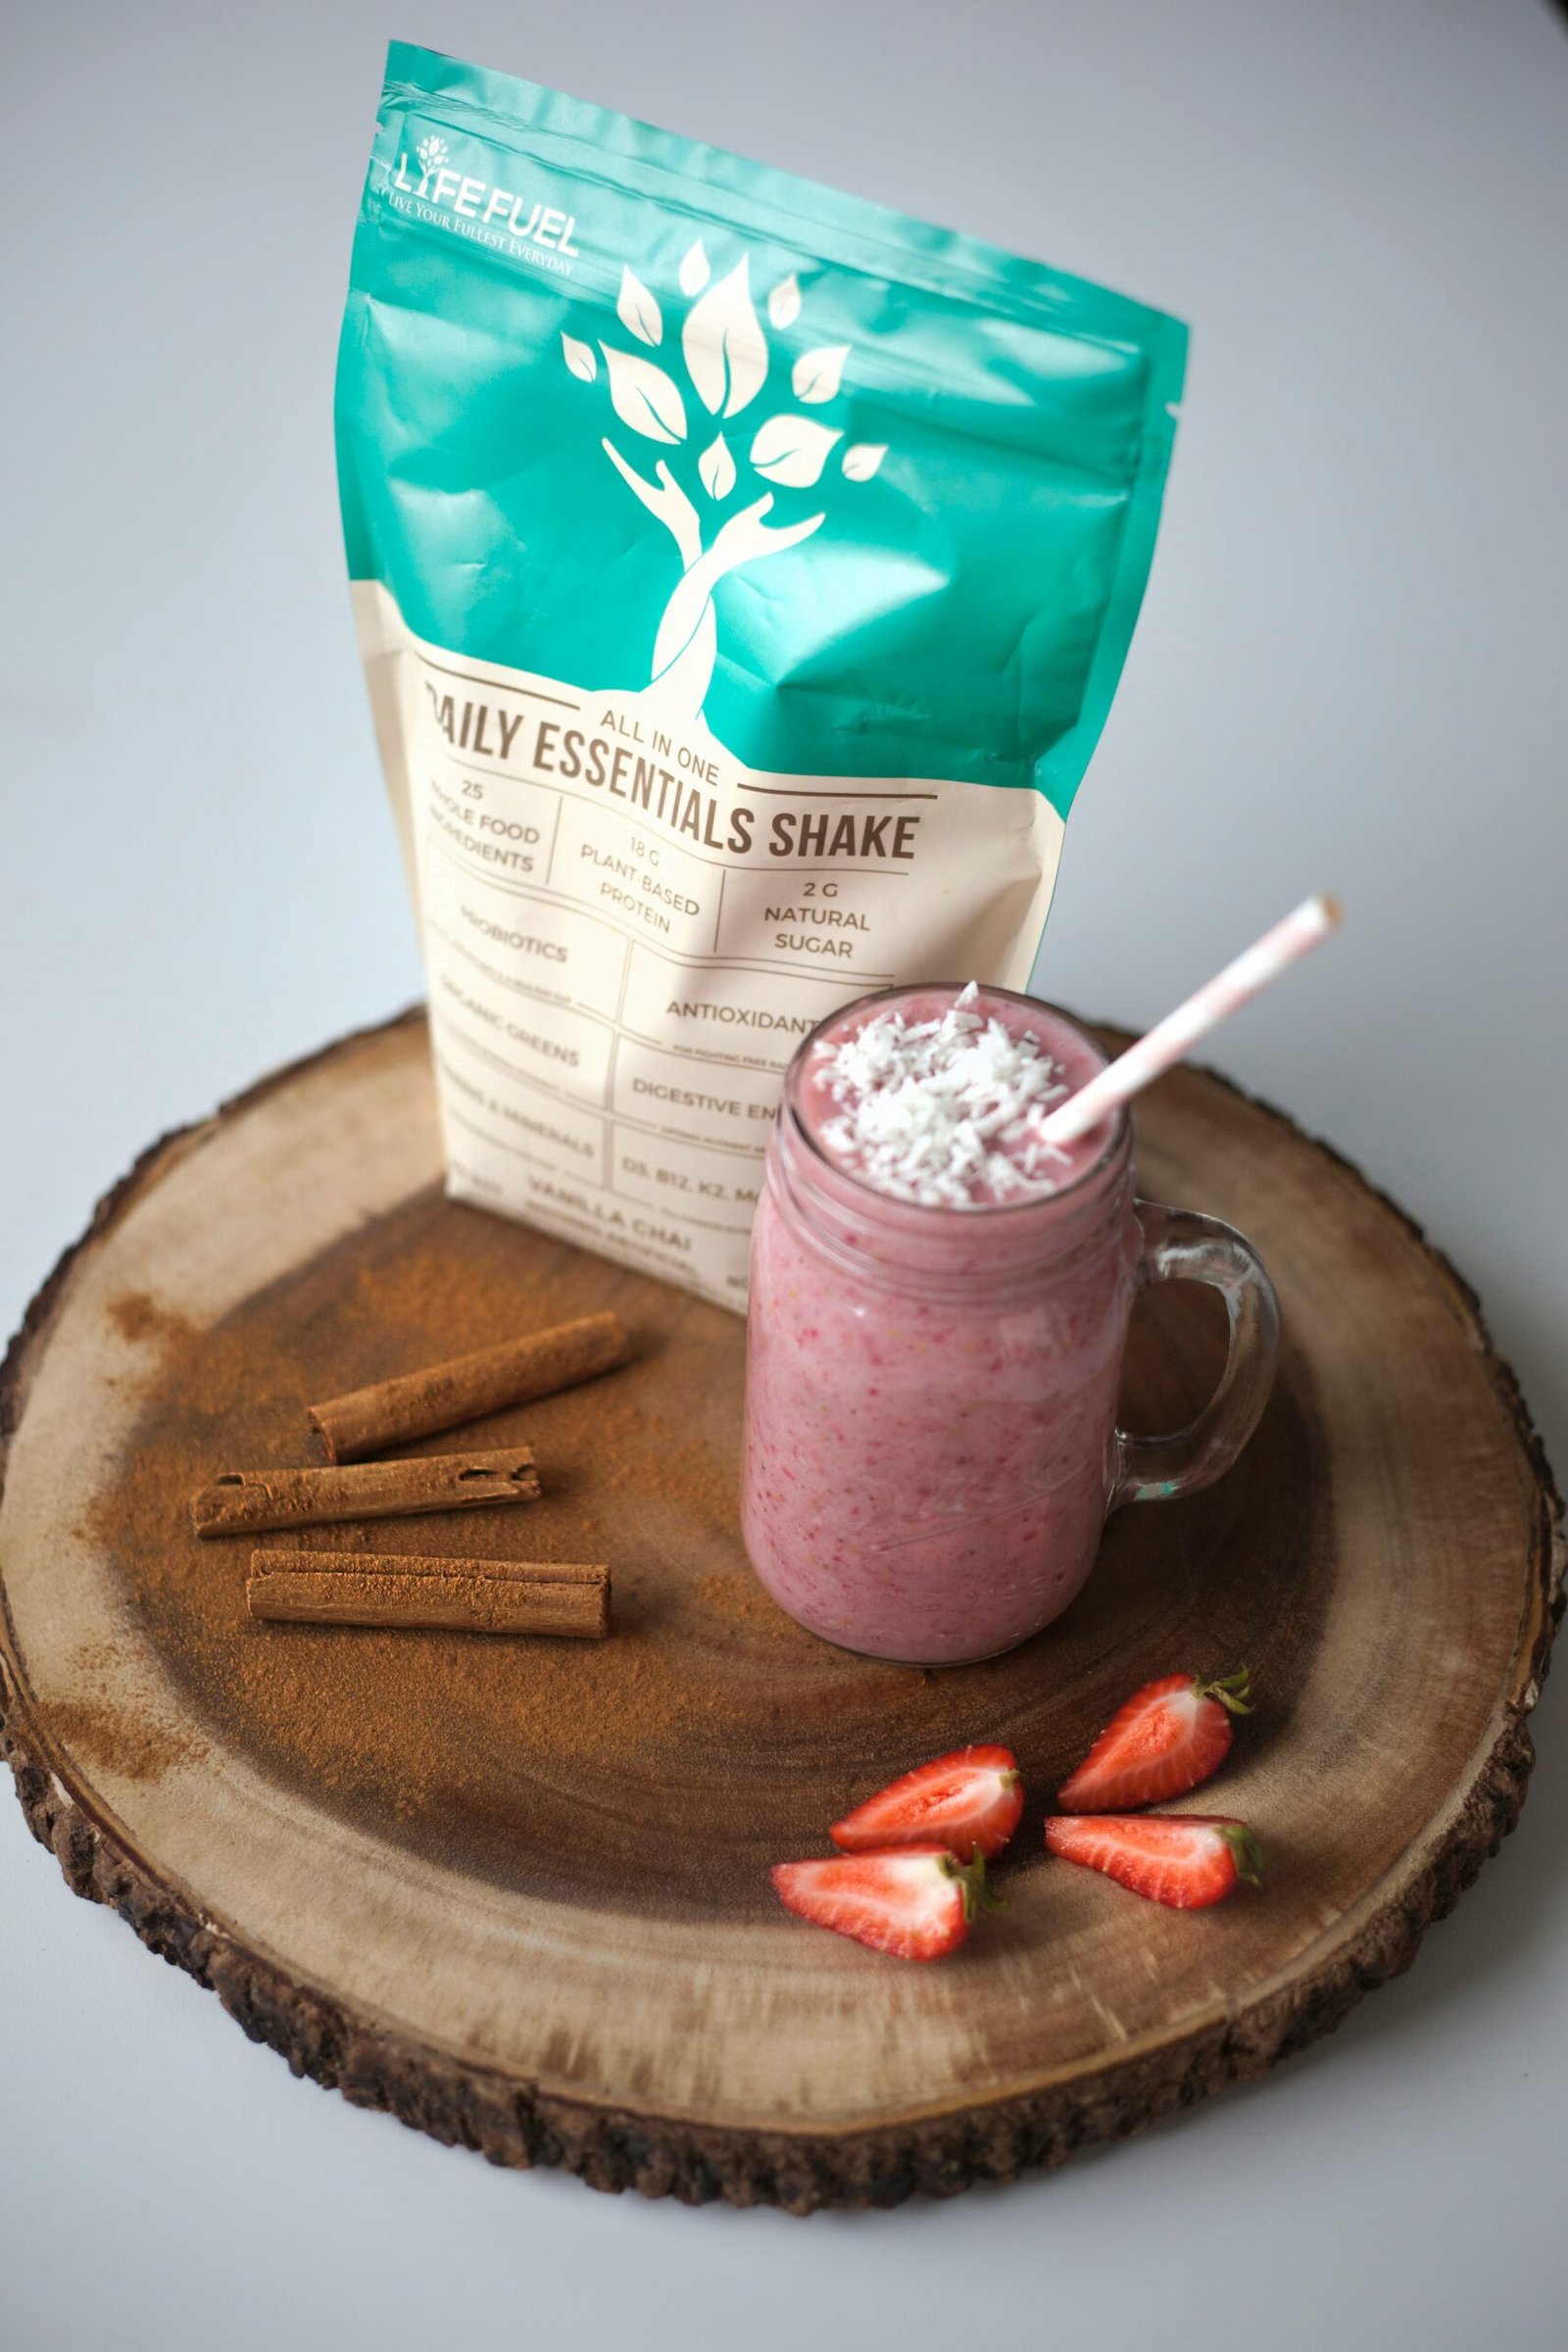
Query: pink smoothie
x=938 y=1315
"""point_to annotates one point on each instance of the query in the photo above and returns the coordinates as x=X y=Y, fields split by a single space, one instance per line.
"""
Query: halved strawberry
x=917 y=1904
x=1170 y=1735
x=1187 y=1860
x=969 y=1801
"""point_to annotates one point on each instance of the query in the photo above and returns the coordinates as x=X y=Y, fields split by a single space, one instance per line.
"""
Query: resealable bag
x=743 y=573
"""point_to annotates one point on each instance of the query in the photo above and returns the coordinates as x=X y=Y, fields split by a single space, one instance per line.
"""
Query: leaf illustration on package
x=816 y=373
x=717 y=467
x=637 y=310
x=644 y=397
x=784 y=303
x=726 y=354
x=792 y=450
x=727 y=361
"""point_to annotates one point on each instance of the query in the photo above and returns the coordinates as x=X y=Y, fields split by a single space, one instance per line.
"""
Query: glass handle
x=1182 y=1246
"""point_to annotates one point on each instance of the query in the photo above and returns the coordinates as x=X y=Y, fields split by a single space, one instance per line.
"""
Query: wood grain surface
x=518 y=1891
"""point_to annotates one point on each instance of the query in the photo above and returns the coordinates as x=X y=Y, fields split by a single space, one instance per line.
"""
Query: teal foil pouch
x=743 y=573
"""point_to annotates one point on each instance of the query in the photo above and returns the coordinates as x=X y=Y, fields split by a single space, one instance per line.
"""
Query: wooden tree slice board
x=516 y=1892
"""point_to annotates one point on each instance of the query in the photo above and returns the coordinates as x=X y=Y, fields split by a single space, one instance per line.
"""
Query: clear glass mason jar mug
x=931 y=1443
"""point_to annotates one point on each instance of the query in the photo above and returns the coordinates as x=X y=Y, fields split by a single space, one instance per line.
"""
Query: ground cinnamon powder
x=141 y=1745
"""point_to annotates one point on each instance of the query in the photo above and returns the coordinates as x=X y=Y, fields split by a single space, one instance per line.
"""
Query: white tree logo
x=726 y=358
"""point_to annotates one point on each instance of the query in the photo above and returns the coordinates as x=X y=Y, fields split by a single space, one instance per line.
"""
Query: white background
x=1349 y=674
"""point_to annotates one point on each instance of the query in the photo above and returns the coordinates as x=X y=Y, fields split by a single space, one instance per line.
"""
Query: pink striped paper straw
x=1171 y=1039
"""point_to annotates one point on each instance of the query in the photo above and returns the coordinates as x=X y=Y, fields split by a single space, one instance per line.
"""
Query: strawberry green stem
x=971 y=1877
x=1246 y=1849
x=1233 y=1690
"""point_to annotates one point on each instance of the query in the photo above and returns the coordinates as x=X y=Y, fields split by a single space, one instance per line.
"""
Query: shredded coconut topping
x=944 y=1112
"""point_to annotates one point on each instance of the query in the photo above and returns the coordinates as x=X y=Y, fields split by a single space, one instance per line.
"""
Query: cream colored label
x=627 y=934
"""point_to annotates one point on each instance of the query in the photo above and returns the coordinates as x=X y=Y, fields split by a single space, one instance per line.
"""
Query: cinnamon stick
x=464 y=1596
x=468 y=1387
x=250 y=1501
